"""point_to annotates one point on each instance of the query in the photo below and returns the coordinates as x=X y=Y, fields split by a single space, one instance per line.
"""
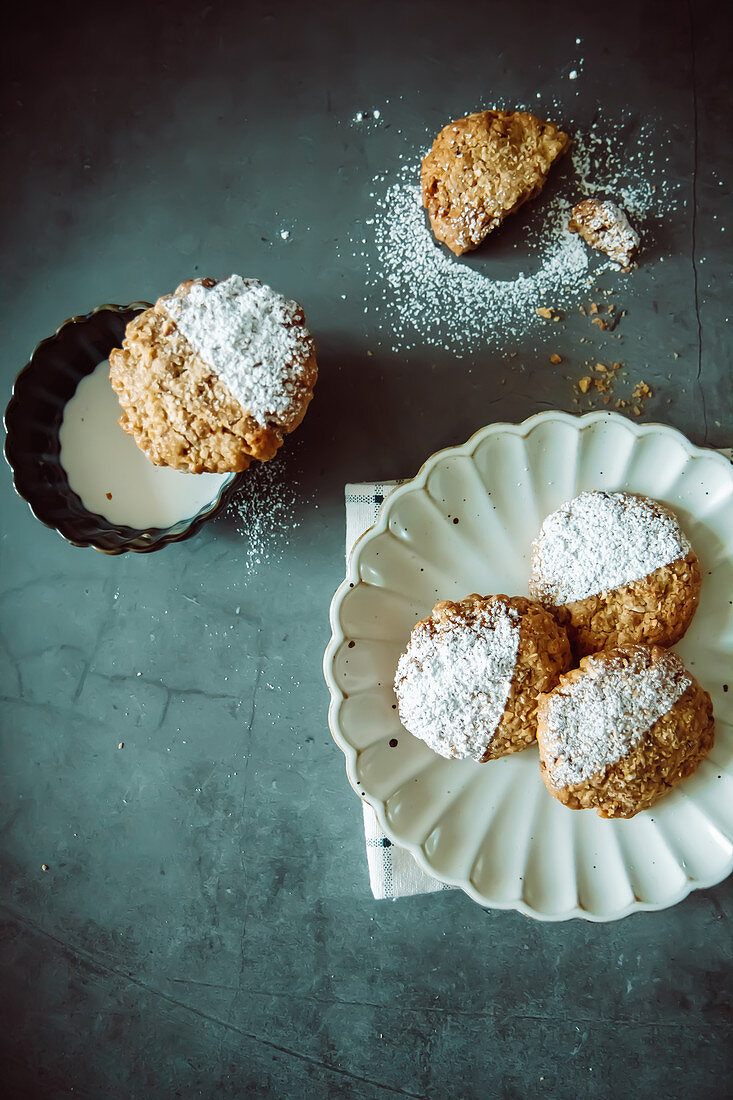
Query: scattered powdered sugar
x=435 y=299
x=264 y=510
x=453 y=681
x=254 y=339
x=599 y=541
x=597 y=720
x=622 y=161
x=369 y=118
x=424 y=297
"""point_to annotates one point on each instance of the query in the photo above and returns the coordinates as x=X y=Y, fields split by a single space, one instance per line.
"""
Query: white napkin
x=393 y=872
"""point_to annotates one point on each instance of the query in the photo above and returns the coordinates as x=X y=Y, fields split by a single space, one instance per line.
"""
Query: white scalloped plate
x=493 y=829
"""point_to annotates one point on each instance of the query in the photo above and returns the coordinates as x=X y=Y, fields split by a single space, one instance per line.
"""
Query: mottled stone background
x=206 y=927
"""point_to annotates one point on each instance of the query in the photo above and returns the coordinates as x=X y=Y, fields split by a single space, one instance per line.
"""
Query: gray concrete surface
x=205 y=927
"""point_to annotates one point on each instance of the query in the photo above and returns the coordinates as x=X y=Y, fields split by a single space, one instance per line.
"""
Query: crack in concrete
x=86 y=957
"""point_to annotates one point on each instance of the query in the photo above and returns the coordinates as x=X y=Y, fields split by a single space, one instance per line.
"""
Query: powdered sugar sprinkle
x=599 y=541
x=434 y=299
x=598 y=720
x=453 y=681
x=265 y=510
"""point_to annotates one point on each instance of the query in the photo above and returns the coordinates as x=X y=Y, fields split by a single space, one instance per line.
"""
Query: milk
x=111 y=474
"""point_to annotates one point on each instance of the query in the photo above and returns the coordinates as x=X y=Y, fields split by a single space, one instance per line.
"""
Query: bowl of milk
x=78 y=470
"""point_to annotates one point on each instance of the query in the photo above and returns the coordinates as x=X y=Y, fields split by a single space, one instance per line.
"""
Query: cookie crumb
x=604 y=226
x=556 y=358
x=121 y=745
x=45 y=867
x=600 y=322
x=584 y=384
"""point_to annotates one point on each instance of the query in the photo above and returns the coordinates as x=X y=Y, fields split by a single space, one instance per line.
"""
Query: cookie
x=603 y=225
x=470 y=677
x=616 y=568
x=214 y=375
x=482 y=168
x=620 y=731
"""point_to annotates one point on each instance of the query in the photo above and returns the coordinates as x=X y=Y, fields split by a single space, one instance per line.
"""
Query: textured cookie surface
x=213 y=376
x=603 y=225
x=621 y=730
x=470 y=678
x=617 y=568
x=482 y=168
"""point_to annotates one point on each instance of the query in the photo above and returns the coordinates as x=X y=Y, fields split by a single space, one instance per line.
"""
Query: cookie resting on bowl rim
x=33 y=418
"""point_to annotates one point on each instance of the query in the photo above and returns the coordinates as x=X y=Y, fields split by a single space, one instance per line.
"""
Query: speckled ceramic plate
x=492 y=829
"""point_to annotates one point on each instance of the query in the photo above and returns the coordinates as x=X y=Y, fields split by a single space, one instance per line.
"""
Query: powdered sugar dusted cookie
x=603 y=225
x=616 y=568
x=621 y=730
x=469 y=680
x=482 y=168
x=214 y=375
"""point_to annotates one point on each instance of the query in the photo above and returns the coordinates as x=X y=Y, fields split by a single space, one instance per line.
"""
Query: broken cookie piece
x=603 y=225
x=482 y=168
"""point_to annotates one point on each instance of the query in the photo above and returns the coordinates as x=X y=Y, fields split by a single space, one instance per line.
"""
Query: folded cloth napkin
x=393 y=872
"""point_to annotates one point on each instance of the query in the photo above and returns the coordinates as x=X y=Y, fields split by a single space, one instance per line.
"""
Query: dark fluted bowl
x=32 y=421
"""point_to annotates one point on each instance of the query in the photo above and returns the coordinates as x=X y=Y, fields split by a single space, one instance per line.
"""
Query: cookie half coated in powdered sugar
x=469 y=680
x=616 y=568
x=620 y=731
x=214 y=375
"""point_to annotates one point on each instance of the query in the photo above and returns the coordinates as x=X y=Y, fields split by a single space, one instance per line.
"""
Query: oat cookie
x=214 y=375
x=616 y=568
x=603 y=225
x=470 y=677
x=621 y=730
x=482 y=168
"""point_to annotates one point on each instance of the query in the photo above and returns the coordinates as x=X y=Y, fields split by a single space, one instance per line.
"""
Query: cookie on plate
x=482 y=168
x=603 y=225
x=214 y=375
x=621 y=730
x=470 y=677
x=616 y=568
